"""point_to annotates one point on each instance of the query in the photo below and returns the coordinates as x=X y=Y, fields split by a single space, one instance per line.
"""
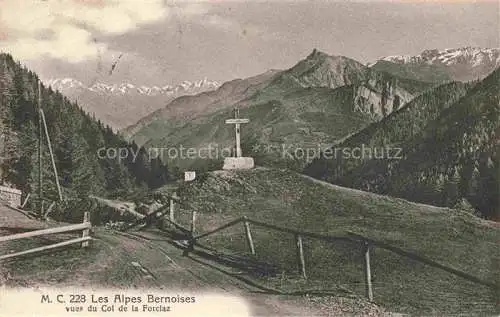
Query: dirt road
x=148 y=260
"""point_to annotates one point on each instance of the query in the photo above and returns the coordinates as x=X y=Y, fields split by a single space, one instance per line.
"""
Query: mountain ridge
x=131 y=103
x=449 y=56
x=321 y=99
x=462 y=64
x=317 y=70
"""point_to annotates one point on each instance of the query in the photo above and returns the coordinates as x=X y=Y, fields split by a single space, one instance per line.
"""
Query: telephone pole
x=40 y=144
x=51 y=154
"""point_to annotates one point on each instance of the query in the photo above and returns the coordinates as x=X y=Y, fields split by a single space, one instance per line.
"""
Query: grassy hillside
x=283 y=198
x=448 y=150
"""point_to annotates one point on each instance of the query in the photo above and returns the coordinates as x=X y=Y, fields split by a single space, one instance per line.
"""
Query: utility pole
x=40 y=144
x=51 y=154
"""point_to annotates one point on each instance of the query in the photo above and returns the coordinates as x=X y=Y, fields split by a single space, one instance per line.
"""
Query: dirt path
x=156 y=263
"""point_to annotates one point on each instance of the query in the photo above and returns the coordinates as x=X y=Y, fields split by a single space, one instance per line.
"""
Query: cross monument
x=237 y=122
x=238 y=162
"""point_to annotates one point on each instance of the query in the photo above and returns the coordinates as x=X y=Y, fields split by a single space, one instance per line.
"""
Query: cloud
x=70 y=43
x=70 y=24
x=67 y=29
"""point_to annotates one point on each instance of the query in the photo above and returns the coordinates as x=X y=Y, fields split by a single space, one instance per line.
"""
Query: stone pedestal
x=238 y=163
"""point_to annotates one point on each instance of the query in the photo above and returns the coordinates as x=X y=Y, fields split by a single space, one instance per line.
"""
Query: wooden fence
x=365 y=244
x=85 y=227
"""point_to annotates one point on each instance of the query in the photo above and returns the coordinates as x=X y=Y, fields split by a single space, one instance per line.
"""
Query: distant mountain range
x=461 y=64
x=474 y=56
x=123 y=104
x=128 y=88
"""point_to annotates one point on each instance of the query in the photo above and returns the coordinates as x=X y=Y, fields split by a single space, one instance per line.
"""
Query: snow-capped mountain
x=474 y=55
x=465 y=63
x=127 y=88
x=120 y=105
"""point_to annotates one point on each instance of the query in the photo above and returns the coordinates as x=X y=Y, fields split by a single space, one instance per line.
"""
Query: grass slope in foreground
x=295 y=201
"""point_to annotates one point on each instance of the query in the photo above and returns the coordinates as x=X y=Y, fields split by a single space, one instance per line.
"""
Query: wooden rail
x=303 y=233
x=423 y=259
x=36 y=233
x=85 y=227
x=227 y=225
x=47 y=247
x=300 y=256
x=299 y=235
x=366 y=244
x=176 y=225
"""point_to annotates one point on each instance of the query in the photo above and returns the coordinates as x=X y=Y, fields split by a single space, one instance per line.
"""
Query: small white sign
x=189 y=176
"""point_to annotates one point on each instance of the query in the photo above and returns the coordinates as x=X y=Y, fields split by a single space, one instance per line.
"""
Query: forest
x=75 y=137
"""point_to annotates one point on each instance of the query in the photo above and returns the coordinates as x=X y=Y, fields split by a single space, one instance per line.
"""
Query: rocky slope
x=375 y=92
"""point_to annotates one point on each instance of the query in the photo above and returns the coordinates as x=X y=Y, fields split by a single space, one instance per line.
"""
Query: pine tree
x=86 y=176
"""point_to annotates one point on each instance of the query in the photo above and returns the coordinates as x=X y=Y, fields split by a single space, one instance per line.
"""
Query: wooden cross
x=237 y=121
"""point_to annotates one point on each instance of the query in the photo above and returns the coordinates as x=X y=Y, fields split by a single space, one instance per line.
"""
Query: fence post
x=25 y=200
x=248 y=234
x=40 y=216
x=368 y=273
x=193 y=229
x=46 y=213
x=172 y=210
x=193 y=222
x=86 y=232
x=300 y=255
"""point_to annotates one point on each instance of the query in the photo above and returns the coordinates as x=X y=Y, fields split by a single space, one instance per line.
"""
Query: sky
x=157 y=42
